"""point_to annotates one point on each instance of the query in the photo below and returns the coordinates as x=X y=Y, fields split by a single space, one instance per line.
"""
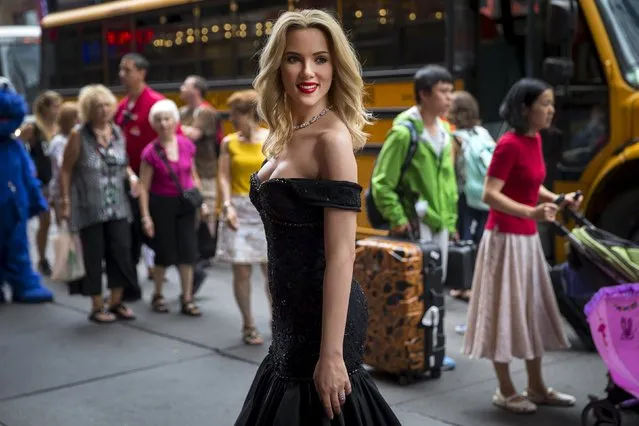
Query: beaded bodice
x=293 y=214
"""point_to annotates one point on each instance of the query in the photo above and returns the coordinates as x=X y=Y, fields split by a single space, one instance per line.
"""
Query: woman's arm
x=337 y=163
x=498 y=201
x=146 y=177
x=546 y=196
x=130 y=173
x=27 y=133
x=197 y=182
x=69 y=159
x=224 y=174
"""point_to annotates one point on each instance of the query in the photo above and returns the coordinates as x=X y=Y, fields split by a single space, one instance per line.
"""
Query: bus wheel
x=621 y=217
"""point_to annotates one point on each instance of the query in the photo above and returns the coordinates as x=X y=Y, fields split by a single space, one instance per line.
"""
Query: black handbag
x=192 y=199
x=206 y=242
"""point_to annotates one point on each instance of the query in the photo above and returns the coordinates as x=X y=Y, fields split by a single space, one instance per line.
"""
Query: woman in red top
x=513 y=311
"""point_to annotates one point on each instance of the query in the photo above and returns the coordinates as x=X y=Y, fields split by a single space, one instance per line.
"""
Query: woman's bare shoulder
x=335 y=153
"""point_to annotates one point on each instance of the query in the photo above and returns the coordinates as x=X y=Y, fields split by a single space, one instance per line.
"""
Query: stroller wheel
x=603 y=412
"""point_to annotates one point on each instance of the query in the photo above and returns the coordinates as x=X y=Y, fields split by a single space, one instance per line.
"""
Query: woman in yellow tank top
x=241 y=238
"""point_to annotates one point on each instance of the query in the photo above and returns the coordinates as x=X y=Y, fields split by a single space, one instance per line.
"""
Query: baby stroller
x=596 y=259
x=601 y=263
x=613 y=315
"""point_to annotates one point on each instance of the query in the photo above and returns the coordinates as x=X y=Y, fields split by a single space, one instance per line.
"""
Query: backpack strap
x=412 y=148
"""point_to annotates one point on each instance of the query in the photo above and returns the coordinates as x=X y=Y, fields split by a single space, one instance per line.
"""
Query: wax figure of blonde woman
x=311 y=95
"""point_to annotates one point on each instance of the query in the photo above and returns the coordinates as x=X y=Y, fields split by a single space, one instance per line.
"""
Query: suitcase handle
x=431 y=317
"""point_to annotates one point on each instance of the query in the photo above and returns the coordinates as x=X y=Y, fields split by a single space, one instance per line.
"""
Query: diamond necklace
x=313 y=119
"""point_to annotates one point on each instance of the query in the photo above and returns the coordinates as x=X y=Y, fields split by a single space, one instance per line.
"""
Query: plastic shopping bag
x=69 y=262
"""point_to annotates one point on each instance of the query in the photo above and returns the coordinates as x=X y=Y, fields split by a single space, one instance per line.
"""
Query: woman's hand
x=205 y=213
x=231 y=217
x=573 y=200
x=546 y=212
x=148 y=227
x=135 y=185
x=65 y=210
x=332 y=383
x=401 y=231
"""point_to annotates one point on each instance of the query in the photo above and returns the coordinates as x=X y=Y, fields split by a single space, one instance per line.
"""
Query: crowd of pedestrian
x=143 y=172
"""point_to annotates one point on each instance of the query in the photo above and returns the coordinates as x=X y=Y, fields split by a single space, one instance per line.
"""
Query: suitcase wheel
x=405 y=380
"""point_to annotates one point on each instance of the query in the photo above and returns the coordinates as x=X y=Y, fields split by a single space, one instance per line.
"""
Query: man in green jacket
x=424 y=203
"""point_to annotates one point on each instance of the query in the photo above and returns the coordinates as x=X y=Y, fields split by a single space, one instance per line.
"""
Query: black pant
x=108 y=242
x=133 y=292
x=175 y=239
x=479 y=217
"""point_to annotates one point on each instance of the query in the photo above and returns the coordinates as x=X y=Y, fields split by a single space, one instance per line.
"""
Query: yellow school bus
x=220 y=40
x=582 y=46
x=585 y=49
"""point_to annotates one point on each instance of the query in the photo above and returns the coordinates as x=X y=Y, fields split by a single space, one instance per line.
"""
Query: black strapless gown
x=283 y=392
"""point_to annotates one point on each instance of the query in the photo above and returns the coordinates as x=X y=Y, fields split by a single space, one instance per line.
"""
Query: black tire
x=621 y=216
x=604 y=413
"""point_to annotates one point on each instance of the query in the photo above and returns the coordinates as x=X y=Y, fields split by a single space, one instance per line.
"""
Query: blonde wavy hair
x=346 y=94
x=89 y=96
x=43 y=102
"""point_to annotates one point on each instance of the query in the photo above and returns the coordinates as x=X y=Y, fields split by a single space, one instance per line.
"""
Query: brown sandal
x=251 y=336
x=101 y=317
x=122 y=312
x=158 y=304
x=189 y=308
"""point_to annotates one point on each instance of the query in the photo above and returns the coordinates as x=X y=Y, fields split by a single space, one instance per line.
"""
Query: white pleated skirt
x=247 y=244
x=513 y=311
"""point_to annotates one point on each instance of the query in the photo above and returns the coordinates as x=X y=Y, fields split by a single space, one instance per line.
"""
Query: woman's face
x=164 y=123
x=542 y=111
x=52 y=112
x=307 y=69
x=103 y=110
x=241 y=121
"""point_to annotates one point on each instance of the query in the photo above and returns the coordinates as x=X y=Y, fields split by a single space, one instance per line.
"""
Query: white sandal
x=552 y=397
x=516 y=403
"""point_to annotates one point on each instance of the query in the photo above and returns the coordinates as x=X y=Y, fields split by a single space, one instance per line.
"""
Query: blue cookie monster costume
x=20 y=200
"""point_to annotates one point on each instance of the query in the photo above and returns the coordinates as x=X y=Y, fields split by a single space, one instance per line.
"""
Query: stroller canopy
x=613 y=316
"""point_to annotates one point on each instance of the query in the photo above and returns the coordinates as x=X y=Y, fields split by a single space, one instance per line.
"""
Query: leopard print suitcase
x=402 y=281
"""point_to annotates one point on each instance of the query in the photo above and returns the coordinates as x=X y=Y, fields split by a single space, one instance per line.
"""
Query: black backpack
x=374 y=216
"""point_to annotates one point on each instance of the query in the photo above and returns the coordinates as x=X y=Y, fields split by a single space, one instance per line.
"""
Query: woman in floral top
x=93 y=197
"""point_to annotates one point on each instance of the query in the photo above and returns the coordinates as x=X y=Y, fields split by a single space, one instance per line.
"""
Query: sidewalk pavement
x=57 y=369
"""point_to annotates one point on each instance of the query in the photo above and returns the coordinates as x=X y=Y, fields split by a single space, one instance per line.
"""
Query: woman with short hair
x=93 y=198
x=242 y=241
x=167 y=171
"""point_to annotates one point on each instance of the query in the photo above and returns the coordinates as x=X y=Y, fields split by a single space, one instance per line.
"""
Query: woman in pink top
x=163 y=218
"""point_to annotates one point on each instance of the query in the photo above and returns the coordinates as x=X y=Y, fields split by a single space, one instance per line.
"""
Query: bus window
x=118 y=36
x=464 y=42
x=20 y=63
x=92 y=42
x=423 y=32
x=327 y=5
x=583 y=116
x=371 y=24
x=232 y=36
x=65 y=62
x=167 y=38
